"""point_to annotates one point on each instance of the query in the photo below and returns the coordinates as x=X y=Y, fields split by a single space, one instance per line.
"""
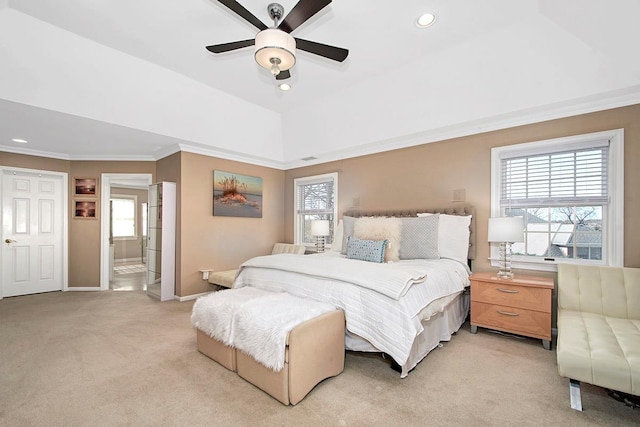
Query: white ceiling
x=132 y=79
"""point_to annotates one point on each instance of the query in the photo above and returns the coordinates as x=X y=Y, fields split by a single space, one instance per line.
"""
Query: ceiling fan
x=275 y=48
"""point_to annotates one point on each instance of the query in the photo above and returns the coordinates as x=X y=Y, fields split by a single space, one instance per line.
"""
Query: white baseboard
x=191 y=297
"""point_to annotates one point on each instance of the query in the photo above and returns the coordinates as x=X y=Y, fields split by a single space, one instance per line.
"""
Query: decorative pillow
x=347 y=230
x=336 y=243
x=366 y=250
x=453 y=236
x=420 y=238
x=381 y=228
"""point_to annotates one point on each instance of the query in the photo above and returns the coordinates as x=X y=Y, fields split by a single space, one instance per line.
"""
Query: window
x=315 y=198
x=569 y=192
x=123 y=216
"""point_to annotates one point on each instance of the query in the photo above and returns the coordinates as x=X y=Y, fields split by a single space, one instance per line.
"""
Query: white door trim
x=105 y=196
x=65 y=216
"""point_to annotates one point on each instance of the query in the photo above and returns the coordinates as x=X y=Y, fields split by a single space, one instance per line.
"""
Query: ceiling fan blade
x=336 y=53
x=302 y=11
x=226 y=47
x=283 y=75
x=244 y=13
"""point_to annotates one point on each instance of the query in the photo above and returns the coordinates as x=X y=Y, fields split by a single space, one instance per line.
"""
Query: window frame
x=134 y=198
x=297 y=182
x=613 y=212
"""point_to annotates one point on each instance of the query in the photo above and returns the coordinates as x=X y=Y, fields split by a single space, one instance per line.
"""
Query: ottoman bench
x=313 y=347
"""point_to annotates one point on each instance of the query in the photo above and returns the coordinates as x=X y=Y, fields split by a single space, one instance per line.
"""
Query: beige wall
x=34 y=162
x=421 y=176
x=222 y=243
x=84 y=235
x=130 y=247
x=203 y=241
x=426 y=175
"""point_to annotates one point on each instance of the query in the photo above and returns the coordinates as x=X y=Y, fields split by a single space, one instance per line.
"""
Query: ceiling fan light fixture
x=275 y=50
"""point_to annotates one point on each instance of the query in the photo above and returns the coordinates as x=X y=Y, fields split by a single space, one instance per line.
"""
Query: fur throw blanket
x=254 y=321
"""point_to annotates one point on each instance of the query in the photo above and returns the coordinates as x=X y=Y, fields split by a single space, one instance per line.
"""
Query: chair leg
x=574 y=394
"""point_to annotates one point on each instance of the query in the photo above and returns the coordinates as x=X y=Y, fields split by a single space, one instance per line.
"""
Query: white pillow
x=347 y=230
x=336 y=244
x=453 y=236
x=381 y=228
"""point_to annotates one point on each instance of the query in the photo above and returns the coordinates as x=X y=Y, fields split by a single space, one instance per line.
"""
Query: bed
x=403 y=307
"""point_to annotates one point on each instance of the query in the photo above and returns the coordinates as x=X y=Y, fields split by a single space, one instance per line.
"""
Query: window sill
x=539 y=264
x=119 y=239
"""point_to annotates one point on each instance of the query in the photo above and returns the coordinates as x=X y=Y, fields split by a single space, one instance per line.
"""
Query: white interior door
x=33 y=226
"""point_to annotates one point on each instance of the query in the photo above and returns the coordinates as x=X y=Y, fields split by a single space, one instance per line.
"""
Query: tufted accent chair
x=599 y=328
x=227 y=277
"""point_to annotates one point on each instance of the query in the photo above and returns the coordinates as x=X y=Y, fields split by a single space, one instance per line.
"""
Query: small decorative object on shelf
x=320 y=229
x=505 y=231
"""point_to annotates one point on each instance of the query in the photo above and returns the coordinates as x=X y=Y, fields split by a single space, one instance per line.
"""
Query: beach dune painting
x=237 y=195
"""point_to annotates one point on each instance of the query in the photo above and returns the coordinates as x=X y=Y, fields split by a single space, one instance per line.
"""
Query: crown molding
x=559 y=110
x=584 y=105
x=230 y=155
x=28 y=152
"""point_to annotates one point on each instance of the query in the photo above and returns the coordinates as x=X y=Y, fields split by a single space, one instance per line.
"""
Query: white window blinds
x=576 y=177
x=316 y=198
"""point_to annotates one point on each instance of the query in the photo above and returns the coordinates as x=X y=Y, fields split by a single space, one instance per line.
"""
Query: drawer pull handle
x=508 y=313
x=508 y=291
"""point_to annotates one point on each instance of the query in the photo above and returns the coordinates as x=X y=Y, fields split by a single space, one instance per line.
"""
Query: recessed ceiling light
x=426 y=20
x=284 y=86
x=21 y=141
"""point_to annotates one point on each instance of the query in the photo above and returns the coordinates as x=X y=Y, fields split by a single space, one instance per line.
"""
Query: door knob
x=9 y=241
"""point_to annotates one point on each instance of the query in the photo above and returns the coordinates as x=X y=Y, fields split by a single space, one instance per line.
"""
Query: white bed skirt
x=438 y=327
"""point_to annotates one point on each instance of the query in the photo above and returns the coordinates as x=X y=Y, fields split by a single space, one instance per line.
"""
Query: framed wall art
x=85 y=209
x=237 y=195
x=85 y=186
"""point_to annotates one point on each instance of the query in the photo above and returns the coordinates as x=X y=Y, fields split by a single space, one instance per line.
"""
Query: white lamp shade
x=320 y=227
x=274 y=43
x=506 y=229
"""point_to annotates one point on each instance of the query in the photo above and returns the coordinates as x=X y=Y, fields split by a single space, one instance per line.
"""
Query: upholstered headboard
x=462 y=210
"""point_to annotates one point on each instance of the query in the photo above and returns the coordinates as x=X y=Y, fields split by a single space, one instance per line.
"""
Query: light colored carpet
x=122 y=358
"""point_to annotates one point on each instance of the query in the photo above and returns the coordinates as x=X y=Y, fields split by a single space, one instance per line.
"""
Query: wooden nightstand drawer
x=521 y=305
x=530 y=298
x=532 y=323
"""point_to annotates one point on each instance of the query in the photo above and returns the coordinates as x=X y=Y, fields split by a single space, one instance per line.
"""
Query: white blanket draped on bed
x=392 y=280
x=389 y=324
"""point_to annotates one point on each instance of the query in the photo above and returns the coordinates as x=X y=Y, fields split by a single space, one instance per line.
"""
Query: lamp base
x=320 y=244
x=505 y=272
x=504 y=275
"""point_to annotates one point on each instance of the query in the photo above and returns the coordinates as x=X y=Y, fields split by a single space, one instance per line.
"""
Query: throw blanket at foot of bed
x=254 y=321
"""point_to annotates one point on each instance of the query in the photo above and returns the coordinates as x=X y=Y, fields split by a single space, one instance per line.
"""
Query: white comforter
x=392 y=280
x=389 y=324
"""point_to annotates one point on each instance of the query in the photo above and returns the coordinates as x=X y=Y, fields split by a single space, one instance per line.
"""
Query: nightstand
x=521 y=305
